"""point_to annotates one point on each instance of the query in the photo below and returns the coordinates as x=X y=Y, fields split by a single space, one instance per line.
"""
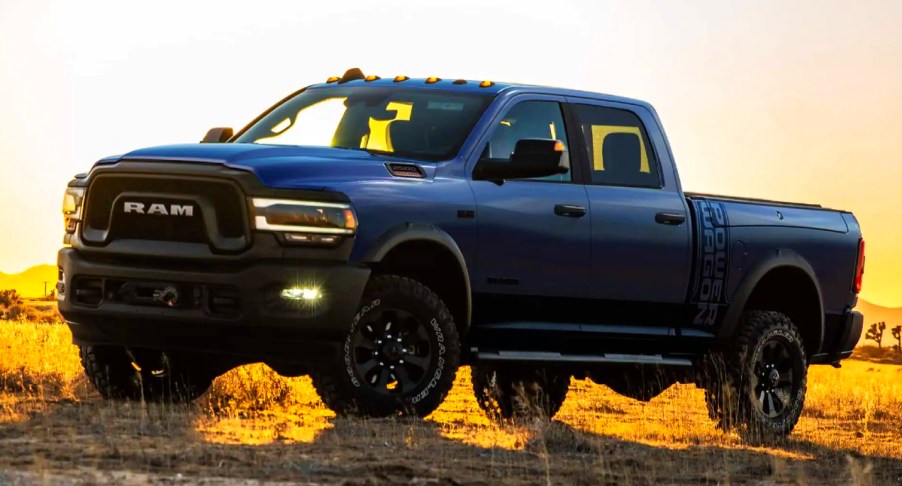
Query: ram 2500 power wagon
x=378 y=233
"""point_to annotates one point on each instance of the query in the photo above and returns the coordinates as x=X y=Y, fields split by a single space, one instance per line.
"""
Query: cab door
x=641 y=234
x=533 y=234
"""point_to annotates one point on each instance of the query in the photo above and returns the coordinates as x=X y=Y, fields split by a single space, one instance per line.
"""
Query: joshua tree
x=875 y=333
x=897 y=333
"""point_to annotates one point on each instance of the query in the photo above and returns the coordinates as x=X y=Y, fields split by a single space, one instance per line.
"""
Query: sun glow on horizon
x=793 y=101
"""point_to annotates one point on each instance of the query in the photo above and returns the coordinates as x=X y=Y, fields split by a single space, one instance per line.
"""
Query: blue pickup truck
x=376 y=234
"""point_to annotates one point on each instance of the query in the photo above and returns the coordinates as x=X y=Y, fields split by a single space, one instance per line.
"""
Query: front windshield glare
x=408 y=122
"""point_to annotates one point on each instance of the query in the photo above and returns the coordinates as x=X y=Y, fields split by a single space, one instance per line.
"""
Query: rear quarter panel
x=734 y=237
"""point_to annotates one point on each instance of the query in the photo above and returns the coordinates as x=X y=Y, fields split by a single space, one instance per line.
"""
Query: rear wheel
x=762 y=386
x=507 y=392
x=400 y=354
x=154 y=376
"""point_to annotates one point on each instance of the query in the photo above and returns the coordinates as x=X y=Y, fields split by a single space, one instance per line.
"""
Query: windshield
x=407 y=122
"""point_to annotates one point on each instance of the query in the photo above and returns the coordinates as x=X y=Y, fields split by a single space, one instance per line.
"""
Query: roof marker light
x=432 y=79
x=332 y=79
x=460 y=81
x=398 y=79
x=371 y=77
x=351 y=75
x=486 y=84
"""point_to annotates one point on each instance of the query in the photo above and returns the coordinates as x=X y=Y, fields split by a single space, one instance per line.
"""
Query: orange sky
x=788 y=100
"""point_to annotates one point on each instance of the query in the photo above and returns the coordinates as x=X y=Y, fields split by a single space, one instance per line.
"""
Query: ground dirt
x=254 y=427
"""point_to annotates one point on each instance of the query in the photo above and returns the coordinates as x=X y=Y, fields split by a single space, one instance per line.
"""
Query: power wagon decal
x=709 y=286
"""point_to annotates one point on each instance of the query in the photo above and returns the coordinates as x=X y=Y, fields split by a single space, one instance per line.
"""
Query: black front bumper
x=257 y=325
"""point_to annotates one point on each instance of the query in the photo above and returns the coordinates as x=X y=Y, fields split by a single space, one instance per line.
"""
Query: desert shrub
x=9 y=298
x=19 y=312
x=46 y=314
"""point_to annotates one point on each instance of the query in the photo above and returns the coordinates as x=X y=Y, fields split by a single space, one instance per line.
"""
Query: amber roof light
x=371 y=77
x=332 y=79
x=398 y=79
x=486 y=84
x=432 y=79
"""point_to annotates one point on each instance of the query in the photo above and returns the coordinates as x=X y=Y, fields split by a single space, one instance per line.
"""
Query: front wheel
x=400 y=354
x=762 y=382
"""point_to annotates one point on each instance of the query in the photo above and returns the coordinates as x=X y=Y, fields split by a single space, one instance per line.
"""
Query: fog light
x=302 y=293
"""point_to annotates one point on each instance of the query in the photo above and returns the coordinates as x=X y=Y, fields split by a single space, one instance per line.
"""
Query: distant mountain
x=892 y=316
x=30 y=283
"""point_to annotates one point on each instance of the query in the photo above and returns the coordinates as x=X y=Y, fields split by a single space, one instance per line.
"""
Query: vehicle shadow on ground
x=83 y=437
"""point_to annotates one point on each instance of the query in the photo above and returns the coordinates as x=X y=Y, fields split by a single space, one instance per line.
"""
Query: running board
x=645 y=359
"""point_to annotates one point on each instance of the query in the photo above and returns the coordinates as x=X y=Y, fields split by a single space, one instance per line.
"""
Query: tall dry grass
x=853 y=416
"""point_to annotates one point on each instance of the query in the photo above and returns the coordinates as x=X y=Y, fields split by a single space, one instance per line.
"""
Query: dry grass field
x=254 y=426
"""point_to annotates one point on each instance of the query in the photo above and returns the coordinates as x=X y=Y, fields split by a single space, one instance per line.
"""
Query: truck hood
x=277 y=166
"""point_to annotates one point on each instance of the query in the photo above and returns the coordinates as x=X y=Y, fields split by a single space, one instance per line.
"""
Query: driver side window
x=530 y=119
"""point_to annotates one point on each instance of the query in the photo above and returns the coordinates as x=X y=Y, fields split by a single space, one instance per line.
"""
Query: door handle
x=569 y=210
x=673 y=219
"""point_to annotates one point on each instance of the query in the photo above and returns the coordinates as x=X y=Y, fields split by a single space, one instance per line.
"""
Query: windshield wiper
x=403 y=155
x=388 y=153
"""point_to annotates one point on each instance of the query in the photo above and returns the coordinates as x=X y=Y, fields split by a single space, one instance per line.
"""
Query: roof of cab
x=471 y=86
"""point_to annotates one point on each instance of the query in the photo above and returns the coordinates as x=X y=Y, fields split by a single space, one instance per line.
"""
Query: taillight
x=859 y=267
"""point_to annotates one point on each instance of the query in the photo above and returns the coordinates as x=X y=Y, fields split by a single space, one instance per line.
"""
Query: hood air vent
x=410 y=171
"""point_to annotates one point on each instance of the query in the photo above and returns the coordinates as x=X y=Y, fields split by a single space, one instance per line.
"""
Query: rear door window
x=618 y=147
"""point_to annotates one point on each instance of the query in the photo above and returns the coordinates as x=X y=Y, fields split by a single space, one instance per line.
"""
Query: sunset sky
x=796 y=100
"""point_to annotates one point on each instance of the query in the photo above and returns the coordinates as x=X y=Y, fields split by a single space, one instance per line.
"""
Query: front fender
x=407 y=232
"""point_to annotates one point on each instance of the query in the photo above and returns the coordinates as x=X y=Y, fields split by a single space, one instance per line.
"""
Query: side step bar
x=551 y=357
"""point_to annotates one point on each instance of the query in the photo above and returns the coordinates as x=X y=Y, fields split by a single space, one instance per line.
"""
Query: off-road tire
x=115 y=373
x=738 y=395
x=346 y=392
x=518 y=392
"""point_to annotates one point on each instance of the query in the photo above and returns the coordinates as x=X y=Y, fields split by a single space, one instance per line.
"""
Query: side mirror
x=218 y=135
x=532 y=157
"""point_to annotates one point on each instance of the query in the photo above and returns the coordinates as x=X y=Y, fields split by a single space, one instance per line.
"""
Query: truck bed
x=750 y=212
x=752 y=200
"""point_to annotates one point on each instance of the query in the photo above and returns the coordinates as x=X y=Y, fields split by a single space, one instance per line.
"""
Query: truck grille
x=158 y=208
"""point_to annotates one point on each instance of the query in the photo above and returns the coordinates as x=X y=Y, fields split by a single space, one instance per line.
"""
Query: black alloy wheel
x=400 y=354
x=772 y=378
x=391 y=351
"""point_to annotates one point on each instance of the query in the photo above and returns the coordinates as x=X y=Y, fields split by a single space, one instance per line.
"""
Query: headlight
x=305 y=221
x=72 y=203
